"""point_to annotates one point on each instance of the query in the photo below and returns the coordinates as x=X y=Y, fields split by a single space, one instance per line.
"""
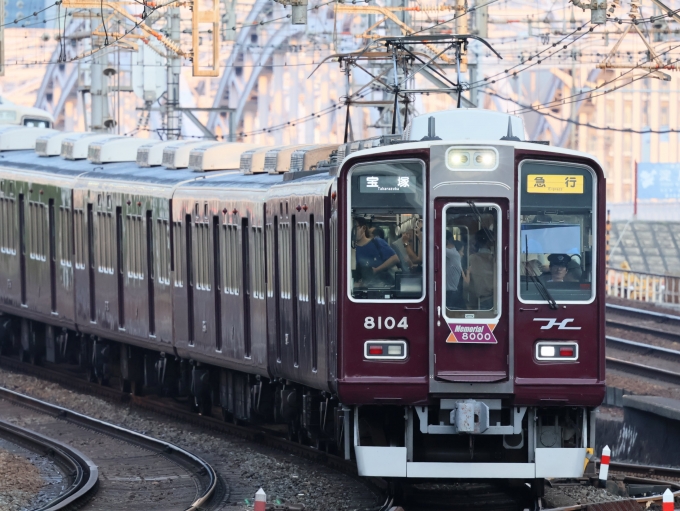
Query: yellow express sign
x=554 y=183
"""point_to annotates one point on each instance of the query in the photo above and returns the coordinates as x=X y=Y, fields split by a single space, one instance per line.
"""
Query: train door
x=471 y=341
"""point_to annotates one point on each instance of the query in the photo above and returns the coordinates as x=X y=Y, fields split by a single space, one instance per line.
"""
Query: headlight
x=459 y=159
x=471 y=159
x=485 y=159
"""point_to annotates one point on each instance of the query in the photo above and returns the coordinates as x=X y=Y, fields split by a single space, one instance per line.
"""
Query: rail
x=203 y=473
x=81 y=471
x=643 y=286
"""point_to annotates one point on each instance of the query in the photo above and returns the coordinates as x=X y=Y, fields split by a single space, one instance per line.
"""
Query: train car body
x=432 y=306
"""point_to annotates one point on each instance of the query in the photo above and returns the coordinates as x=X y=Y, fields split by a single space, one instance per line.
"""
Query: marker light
x=557 y=351
x=375 y=350
x=383 y=349
x=547 y=351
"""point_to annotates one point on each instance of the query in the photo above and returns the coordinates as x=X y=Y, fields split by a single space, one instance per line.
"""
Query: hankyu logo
x=562 y=325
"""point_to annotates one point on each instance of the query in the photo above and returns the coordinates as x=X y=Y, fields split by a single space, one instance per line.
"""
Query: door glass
x=386 y=237
x=556 y=232
x=471 y=272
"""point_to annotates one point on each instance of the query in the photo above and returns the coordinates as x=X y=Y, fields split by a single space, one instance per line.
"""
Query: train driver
x=559 y=264
x=374 y=257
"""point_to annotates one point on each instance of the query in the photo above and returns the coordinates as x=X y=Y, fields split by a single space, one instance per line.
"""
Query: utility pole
x=98 y=89
x=173 y=115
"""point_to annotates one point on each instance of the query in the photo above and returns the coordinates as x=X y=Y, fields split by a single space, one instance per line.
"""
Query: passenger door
x=471 y=328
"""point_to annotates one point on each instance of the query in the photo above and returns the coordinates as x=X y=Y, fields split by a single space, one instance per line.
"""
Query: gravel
x=570 y=495
x=244 y=466
x=20 y=482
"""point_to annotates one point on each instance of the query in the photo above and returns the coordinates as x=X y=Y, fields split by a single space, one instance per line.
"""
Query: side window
x=471 y=262
x=320 y=263
x=180 y=262
x=79 y=234
x=65 y=238
x=303 y=256
x=557 y=232
x=163 y=252
x=7 y=227
x=231 y=259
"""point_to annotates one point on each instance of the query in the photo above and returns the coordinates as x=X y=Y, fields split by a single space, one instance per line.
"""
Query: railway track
x=138 y=471
x=79 y=474
x=665 y=326
x=656 y=358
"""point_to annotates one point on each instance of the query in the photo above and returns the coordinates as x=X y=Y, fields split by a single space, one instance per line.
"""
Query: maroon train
x=433 y=305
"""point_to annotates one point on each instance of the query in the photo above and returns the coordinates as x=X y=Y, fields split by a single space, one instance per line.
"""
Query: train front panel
x=471 y=340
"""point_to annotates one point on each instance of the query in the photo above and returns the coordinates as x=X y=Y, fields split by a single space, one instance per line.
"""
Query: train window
x=79 y=241
x=163 y=251
x=270 y=260
x=65 y=238
x=284 y=259
x=302 y=256
x=105 y=239
x=134 y=247
x=386 y=236
x=37 y=250
x=202 y=259
x=470 y=282
x=257 y=268
x=179 y=255
x=231 y=259
x=7 y=227
x=320 y=263
x=557 y=233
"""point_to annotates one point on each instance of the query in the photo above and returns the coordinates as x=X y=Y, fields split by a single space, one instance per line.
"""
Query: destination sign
x=554 y=183
x=387 y=184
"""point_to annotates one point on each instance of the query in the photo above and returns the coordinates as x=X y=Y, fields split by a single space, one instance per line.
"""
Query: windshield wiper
x=543 y=291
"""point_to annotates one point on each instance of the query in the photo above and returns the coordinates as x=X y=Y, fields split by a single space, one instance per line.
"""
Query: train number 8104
x=389 y=323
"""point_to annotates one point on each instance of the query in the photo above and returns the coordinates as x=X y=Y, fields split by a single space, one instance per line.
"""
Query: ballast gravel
x=243 y=465
x=20 y=482
x=571 y=495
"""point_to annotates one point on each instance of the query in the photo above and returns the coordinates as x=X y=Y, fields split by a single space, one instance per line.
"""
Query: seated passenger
x=454 y=272
x=558 y=267
x=480 y=277
x=374 y=257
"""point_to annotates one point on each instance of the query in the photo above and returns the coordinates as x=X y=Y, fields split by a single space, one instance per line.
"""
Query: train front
x=471 y=303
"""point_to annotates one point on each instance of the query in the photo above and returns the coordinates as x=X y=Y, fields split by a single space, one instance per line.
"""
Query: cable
x=57 y=3
x=637 y=67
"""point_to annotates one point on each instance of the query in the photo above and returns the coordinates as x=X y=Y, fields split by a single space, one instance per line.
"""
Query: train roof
x=427 y=144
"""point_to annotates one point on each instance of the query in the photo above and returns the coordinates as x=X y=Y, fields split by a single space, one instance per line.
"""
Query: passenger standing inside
x=415 y=254
x=374 y=257
x=481 y=275
x=454 y=272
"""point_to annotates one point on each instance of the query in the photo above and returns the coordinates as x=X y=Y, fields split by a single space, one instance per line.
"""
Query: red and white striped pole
x=668 y=500
x=604 y=465
x=261 y=500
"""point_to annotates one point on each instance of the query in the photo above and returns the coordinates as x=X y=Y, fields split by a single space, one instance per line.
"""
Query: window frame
x=594 y=257
x=499 y=264
x=348 y=233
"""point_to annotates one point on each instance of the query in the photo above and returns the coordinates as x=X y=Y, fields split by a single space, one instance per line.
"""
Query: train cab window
x=557 y=233
x=387 y=246
x=471 y=276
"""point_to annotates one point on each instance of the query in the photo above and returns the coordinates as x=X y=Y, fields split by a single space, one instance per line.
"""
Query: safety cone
x=604 y=466
x=261 y=500
x=668 y=500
